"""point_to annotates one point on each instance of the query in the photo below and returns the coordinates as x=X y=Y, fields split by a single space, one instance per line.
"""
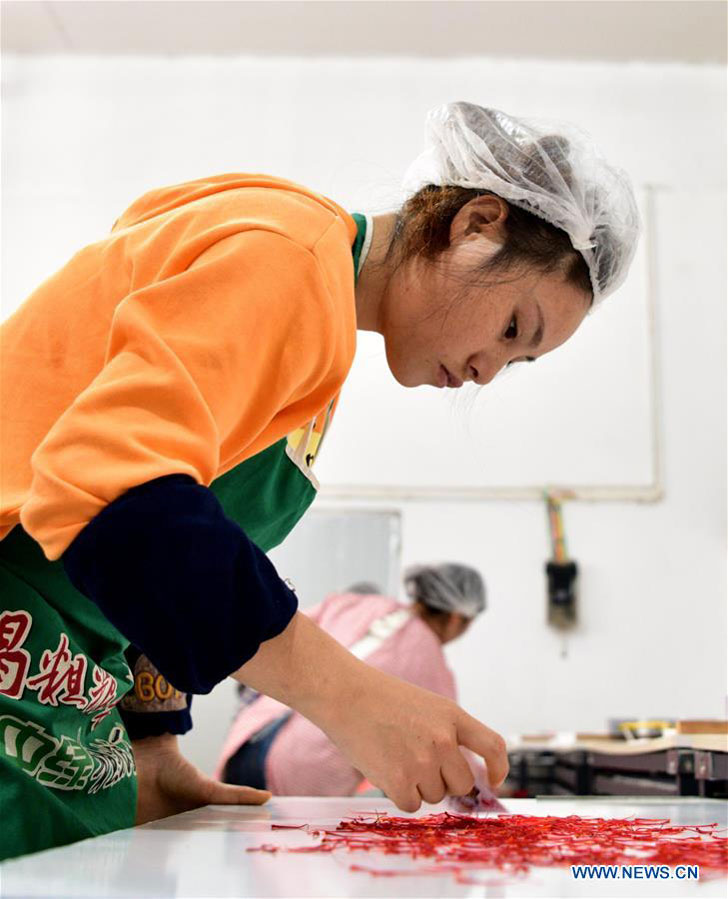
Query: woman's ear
x=481 y=217
x=454 y=627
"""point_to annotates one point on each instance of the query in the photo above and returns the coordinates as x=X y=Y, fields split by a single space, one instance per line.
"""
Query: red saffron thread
x=513 y=844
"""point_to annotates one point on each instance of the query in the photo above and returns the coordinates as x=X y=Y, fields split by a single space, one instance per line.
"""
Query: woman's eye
x=512 y=330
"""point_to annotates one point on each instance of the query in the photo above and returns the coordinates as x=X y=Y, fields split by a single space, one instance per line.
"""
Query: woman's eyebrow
x=538 y=336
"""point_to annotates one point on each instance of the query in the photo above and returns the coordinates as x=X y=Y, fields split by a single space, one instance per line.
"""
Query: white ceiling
x=692 y=31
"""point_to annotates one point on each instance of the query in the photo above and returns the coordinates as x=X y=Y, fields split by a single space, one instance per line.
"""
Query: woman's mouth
x=447 y=379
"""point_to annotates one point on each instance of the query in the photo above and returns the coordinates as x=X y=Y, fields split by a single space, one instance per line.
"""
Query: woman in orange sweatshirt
x=164 y=397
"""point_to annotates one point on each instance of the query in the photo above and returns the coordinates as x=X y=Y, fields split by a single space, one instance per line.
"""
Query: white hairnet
x=448 y=587
x=551 y=170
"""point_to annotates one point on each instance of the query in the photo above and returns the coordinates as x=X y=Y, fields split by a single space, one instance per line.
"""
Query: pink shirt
x=302 y=761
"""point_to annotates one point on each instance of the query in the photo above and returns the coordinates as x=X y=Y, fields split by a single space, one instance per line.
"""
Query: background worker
x=274 y=748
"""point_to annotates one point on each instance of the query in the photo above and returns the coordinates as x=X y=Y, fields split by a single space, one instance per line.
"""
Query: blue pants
x=247 y=766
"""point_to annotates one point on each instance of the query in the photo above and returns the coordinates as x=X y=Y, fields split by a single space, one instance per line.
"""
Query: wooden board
x=704 y=726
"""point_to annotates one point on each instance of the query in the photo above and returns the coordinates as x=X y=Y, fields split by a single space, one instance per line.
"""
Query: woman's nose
x=482 y=369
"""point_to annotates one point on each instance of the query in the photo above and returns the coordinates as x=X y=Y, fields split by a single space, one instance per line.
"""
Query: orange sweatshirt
x=216 y=318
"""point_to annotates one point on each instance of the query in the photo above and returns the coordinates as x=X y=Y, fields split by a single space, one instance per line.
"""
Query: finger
x=458 y=777
x=431 y=786
x=406 y=801
x=232 y=794
x=487 y=744
x=433 y=789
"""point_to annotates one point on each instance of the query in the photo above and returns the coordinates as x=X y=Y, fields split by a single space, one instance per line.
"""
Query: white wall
x=82 y=138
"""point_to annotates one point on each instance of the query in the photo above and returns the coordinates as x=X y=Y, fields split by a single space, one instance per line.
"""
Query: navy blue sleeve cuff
x=181 y=581
x=153 y=706
x=139 y=725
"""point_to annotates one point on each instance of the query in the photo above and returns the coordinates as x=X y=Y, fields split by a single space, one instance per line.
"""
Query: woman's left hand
x=169 y=784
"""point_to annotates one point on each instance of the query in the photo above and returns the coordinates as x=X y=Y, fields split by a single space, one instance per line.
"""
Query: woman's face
x=441 y=327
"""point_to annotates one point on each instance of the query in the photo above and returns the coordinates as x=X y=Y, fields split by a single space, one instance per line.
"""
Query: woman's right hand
x=404 y=739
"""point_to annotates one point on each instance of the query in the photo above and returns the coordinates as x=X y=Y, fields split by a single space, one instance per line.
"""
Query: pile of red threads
x=513 y=844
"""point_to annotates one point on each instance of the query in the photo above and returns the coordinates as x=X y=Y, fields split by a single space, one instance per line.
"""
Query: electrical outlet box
x=562 y=602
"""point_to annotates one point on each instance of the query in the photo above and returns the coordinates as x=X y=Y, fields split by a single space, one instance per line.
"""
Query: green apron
x=66 y=763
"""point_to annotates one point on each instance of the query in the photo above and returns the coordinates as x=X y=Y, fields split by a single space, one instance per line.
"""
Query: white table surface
x=202 y=854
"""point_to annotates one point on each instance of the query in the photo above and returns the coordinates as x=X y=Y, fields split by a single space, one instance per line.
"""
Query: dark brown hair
x=422 y=228
x=428 y=613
